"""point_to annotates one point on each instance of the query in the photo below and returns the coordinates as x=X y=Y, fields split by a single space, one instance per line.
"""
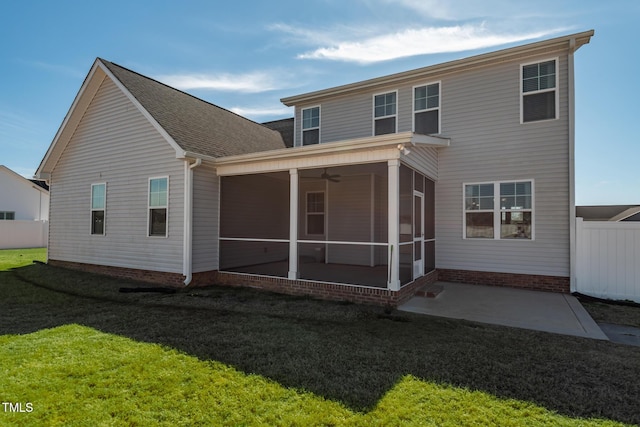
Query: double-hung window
x=98 y=208
x=384 y=113
x=311 y=126
x=498 y=210
x=426 y=109
x=158 y=206
x=5 y=215
x=539 y=83
x=315 y=213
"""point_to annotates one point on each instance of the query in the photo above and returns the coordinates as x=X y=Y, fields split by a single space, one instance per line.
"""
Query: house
x=613 y=213
x=461 y=171
x=24 y=211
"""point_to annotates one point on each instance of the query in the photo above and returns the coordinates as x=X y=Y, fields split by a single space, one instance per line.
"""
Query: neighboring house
x=613 y=213
x=24 y=210
x=461 y=171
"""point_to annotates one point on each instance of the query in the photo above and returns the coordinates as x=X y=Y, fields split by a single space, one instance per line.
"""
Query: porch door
x=418 y=234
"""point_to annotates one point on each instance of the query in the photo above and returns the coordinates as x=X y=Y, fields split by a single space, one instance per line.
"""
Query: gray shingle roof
x=196 y=125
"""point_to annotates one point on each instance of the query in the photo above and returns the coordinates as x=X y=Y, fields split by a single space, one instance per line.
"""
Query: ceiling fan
x=327 y=176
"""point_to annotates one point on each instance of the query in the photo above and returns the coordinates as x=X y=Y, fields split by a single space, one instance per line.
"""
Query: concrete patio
x=540 y=311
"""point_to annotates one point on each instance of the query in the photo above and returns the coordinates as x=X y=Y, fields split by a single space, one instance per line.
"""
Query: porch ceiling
x=362 y=150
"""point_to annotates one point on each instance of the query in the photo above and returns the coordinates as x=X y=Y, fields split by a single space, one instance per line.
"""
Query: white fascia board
x=430 y=140
x=319 y=149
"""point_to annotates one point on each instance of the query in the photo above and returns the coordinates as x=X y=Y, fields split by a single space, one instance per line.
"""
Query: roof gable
x=20 y=180
x=193 y=127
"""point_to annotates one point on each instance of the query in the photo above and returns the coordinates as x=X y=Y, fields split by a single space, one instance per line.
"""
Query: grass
x=14 y=258
x=74 y=375
x=616 y=314
x=352 y=361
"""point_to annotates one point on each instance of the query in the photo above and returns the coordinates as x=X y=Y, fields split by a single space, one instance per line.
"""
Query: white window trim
x=439 y=107
x=497 y=211
x=556 y=89
x=91 y=210
x=307 y=213
x=166 y=234
x=373 y=111
x=302 y=128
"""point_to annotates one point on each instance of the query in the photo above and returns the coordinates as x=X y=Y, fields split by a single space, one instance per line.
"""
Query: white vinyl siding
x=481 y=116
x=111 y=127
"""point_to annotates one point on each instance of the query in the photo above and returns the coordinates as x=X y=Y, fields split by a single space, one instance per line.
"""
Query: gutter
x=187 y=251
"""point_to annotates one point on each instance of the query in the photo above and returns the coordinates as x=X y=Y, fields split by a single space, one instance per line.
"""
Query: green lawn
x=83 y=353
x=13 y=258
x=74 y=375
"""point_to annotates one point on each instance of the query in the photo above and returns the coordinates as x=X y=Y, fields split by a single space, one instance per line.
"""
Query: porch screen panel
x=254 y=224
x=406 y=204
x=255 y=206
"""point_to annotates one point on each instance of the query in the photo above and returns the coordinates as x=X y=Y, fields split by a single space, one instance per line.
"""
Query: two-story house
x=461 y=171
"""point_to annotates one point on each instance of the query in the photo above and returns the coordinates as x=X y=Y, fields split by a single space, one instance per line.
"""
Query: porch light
x=404 y=150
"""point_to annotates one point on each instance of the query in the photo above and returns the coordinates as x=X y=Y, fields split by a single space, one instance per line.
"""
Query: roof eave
x=530 y=49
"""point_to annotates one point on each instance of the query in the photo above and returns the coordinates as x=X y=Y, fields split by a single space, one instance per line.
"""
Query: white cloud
x=254 y=82
x=411 y=42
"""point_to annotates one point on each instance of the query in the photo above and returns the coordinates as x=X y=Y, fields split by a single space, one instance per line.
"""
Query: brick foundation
x=559 y=284
x=327 y=291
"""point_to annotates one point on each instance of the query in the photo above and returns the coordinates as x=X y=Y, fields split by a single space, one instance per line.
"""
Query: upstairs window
x=539 y=91
x=158 y=206
x=426 y=109
x=384 y=113
x=10 y=216
x=311 y=126
x=98 y=208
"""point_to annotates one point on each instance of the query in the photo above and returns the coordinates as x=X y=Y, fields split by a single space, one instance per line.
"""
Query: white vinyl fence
x=608 y=259
x=23 y=234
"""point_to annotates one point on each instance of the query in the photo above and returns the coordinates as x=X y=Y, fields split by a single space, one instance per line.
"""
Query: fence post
x=575 y=276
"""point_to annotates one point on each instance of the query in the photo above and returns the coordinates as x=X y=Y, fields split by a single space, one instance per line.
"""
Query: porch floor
x=335 y=273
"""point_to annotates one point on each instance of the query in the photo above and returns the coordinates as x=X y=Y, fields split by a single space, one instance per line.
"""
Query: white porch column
x=393 y=278
x=293 y=224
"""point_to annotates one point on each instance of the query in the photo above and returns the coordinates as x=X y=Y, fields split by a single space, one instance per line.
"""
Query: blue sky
x=246 y=55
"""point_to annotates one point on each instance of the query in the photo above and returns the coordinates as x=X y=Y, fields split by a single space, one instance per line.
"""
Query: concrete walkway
x=540 y=311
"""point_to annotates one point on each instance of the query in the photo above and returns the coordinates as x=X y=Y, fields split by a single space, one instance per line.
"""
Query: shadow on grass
x=346 y=352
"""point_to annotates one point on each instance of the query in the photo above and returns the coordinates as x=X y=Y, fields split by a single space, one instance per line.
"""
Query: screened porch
x=330 y=224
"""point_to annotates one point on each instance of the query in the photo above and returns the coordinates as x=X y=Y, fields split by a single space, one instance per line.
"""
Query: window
x=426 y=109
x=311 y=126
x=98 y=208
x=539 y=91
x=158 y=205
x=10 y=216
x=508 y=216
x=384 y=113
x=315 y=213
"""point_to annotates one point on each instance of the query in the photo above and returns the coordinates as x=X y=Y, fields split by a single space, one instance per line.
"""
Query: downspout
x=572 y=178
x=187 y=264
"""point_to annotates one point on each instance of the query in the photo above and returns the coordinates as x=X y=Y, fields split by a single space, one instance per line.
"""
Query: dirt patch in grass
x=344 y=352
